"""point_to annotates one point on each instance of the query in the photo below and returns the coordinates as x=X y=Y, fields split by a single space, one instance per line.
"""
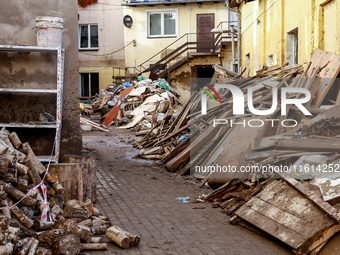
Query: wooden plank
x=308 y=144
x=324 y=206
x=270 y=226
x=114 y=111
x=286 y=198
x=330 y=64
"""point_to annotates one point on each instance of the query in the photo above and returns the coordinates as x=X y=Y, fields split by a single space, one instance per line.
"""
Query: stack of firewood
x=70 y=227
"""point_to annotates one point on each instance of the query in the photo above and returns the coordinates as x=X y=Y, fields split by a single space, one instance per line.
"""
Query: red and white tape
x=45 y=215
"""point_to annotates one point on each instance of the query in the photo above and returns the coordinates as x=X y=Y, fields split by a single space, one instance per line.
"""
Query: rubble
x=34 y=217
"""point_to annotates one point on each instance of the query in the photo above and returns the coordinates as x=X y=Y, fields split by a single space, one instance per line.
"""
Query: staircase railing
x=184 y=46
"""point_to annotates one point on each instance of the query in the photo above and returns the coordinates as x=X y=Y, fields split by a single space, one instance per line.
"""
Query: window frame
x=88 y=36
x=160 y=11
x=89 y=84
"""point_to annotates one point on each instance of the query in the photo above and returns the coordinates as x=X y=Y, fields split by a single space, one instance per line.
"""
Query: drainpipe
x=233 y=42
x=238 y=35
x=239 y=42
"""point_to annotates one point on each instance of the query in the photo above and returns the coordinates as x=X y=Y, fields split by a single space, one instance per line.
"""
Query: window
x=89 y=84
x=270 y=60
x=162 y=23
x=88 y=36
x=292 y=47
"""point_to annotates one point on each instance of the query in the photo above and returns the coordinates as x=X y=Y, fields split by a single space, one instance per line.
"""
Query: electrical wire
x=106 y=54
x=258 y=17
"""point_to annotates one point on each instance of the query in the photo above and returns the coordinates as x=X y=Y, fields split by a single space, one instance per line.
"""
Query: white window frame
x=160 y=11
x=88 y=37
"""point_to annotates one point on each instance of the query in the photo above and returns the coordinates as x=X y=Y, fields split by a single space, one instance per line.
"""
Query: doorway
x=205 y=39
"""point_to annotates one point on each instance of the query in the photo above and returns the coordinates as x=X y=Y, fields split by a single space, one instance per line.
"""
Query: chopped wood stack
x=70 y=227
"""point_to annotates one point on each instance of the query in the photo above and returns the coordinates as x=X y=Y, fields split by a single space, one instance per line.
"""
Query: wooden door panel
x=205 y=39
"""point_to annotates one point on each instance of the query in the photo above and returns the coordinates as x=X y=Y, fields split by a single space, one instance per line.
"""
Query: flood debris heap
x=289 y=188
x=34 y=217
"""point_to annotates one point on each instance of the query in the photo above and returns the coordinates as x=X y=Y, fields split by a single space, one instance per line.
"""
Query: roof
x=236 y=3
x=166 y=2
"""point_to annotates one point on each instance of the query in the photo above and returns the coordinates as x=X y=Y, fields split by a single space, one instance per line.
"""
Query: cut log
x=26 y=247
x=6 y=249
x=55 y=211
x=22 y=169
x=58 y=187
x=89 y=172
x=134 y=239
x=60 y=241
x=76 y=212
x=42 y=225
x=13 y=137
x=17 y=194
x=33 y=173
x=96 y=239
x=25 y=231
x=70 y=176
x=66 y=244
x=3 y=148
x=118 y=236
x=36 y=164
x=21 y=242
x=28 y=223
x=5 y=211
x=4 y=221
x=43 y=251
x=22 y=183
x=93 y=246
x=51 y=178
x=33 y=247
x=99 y=230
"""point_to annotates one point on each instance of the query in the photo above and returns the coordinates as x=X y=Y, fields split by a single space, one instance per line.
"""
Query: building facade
x=101 y=46
x=274 y=32
x=176 y=37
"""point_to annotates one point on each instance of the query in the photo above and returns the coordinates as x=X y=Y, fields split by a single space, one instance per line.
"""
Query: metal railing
x=183 y=48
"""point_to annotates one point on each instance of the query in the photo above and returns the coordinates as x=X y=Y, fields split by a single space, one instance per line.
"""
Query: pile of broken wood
x=67 y=228
x=190 y=140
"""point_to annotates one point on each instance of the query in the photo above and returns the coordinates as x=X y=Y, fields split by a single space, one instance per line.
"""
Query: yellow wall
x=145 y=47
x=265 y=24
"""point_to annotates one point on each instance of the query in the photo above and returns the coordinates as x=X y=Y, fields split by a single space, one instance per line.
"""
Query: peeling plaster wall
x=181 y=77
x=17 y=25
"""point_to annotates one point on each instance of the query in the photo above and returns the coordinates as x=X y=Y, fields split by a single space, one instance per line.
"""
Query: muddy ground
x=140 y=196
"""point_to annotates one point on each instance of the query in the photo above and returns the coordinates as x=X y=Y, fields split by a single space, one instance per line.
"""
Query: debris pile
x=34 y=218
x=289 y=162
x=290 y=158
x=141 y=105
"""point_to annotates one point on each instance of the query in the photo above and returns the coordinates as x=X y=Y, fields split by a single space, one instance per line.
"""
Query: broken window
x=89 y=84
x=292 y=47
x=88 y=36
x=162 y=23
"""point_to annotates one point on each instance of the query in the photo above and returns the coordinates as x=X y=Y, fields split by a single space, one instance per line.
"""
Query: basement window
x=89 y=84
x=162 y=23
x=88 y=37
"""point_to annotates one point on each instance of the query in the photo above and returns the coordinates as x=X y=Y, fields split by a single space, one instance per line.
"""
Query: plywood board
x=330 y=64
x=284 y=213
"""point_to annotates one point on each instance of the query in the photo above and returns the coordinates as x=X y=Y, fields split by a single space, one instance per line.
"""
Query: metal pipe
x=239 y=42
x=233 y=42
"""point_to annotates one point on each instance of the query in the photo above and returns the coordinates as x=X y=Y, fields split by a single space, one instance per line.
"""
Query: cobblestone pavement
x=140 y=197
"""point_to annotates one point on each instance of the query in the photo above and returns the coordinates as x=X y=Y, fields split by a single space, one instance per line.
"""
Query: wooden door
x=205 y=39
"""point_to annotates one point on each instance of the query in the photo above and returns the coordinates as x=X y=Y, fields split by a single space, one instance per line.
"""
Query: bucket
x=49 y=31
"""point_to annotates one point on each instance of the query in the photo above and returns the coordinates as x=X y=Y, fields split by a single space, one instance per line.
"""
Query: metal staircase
x=184 y=49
